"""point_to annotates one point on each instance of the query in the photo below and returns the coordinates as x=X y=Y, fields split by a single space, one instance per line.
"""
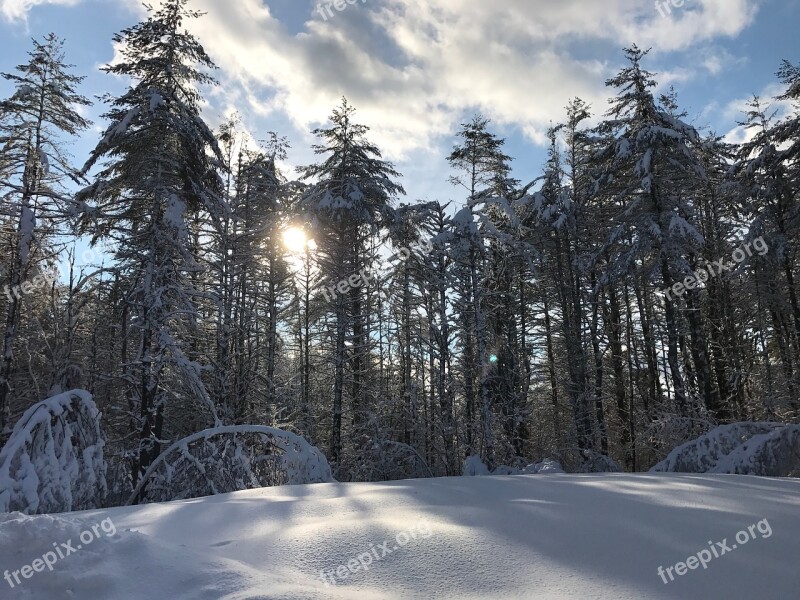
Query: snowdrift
x=517 y=538
x=766 y=449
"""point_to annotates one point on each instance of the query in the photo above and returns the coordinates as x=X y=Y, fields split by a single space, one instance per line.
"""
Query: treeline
x=581 y=314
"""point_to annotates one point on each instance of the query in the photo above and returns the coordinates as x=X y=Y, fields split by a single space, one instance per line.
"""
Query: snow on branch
x=228 y=459
x=53 y=461
x=765 y=449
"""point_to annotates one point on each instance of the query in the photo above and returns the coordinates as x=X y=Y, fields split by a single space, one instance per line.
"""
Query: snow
x=156 y=100
x=680 y=227
x=120 y=128
x=774 y=453
x=44 y=161
x=521 y=537
x=174 y=217
x=27 y=227
x=623 y=148
x=769 y=449
x=543 y=467
x=464 y=219
x=215 y=461
x=54 y=457
x=26 y=91
x=474 y=467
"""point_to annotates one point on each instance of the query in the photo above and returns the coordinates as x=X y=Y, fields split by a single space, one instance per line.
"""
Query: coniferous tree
x=482 y=167
x=160 y=171
x=352 y=188
x=35 y=124
x=652 y=168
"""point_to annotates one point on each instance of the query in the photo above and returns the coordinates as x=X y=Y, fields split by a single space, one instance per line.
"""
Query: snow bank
x=767 y=449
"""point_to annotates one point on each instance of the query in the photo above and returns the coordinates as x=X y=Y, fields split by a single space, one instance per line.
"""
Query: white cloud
x=413 y=67
x=16 y=11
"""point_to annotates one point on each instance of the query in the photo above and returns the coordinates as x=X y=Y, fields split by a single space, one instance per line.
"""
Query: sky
x=416 y=69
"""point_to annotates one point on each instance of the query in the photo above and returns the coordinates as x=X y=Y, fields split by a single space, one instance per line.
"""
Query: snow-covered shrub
x=577 y=460
x=773 y=454
x=548 y=465
x=766 y=449
x=474 y=467
x=228 y=459
x=388 y=460
x=53 y=461
x=595 y=462
x=702 y=454
x=668 y=430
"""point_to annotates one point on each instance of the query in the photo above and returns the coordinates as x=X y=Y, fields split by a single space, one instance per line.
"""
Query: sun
x=295 y=240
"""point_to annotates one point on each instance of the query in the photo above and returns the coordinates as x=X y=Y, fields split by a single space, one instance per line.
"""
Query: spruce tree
x=36 y=122
x=483 y=170
x=650 y=167
x=352 y=188
x=159 y=172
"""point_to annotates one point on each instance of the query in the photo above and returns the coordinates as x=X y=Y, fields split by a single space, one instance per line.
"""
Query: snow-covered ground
x=537 y=536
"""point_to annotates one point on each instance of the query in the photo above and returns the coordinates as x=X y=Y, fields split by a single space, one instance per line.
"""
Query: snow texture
x=518 y=538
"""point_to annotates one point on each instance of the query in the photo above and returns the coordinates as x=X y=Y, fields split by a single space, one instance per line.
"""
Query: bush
x=766 y=449
x=53 y=461
x=229 y=459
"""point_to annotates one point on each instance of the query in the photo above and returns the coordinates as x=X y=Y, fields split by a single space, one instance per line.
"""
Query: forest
x=633 y=293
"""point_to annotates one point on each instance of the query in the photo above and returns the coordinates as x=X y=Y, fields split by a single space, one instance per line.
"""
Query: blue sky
x=415 y=69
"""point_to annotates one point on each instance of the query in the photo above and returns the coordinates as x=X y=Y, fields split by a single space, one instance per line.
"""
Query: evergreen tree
x=651 y=168
x=483 y=169
x=35 y=124
x=160 y=170
x=352 y=189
